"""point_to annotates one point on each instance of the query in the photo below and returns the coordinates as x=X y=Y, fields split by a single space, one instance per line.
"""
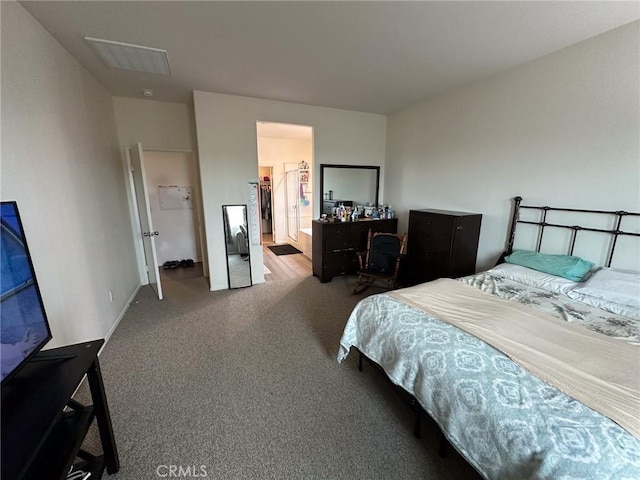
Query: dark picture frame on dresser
x=441 y=243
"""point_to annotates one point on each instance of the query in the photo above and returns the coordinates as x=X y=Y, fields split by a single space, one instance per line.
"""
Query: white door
x=144 y=213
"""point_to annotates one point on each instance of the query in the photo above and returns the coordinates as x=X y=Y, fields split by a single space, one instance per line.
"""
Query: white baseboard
x=120 y=317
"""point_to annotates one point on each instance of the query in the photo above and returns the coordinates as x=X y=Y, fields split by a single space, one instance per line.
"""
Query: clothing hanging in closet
x=265 y=200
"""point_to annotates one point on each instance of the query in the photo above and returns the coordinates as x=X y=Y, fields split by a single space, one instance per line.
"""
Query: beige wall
x=61 y=163
x=157 y=125
x=226 y=131
x=563 y=130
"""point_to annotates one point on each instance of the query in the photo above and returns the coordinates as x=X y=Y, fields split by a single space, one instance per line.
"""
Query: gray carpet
x=245 y=383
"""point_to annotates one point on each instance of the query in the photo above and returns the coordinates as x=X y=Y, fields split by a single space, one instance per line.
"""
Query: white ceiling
x=366 y=56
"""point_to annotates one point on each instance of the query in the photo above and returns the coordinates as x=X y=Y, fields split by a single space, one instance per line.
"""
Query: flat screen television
x=24 y=328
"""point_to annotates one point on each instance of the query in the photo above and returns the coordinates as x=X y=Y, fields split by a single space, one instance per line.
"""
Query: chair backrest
x=384 y=251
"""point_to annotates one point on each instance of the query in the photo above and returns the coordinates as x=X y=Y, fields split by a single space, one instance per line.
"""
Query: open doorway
x=173 y=193
x=265 y=173
x=285 y=163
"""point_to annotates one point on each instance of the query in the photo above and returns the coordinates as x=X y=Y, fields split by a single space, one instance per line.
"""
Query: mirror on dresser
x=348 y=184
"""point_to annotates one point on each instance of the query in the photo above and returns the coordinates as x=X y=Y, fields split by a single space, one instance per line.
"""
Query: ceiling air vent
x=131 y=57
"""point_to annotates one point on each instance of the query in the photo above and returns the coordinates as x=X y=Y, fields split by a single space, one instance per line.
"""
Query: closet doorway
x=267 y=226
x=285 y=170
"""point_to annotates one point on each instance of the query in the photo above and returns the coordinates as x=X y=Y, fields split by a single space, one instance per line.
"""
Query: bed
x=528 y=374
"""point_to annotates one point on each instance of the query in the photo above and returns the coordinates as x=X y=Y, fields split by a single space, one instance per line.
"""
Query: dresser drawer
x=342 y=237
x=437 y=244
x=432 y=243
x=441 y=243
x=425 y=224
x=340 y=263
x=335 y=245
x=433 y=260
x=382 y=226
x=427 y=272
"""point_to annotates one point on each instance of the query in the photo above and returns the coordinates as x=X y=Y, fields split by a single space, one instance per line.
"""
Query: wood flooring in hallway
x=284 y=267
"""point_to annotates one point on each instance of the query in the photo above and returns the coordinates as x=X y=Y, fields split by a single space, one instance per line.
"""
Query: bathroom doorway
x=285 y=170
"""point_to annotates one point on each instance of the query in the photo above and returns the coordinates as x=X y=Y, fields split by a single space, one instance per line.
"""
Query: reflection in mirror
x=350 y=185
x=236 y=234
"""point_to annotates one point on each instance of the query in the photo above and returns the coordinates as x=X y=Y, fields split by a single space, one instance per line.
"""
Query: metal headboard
x=542 y=224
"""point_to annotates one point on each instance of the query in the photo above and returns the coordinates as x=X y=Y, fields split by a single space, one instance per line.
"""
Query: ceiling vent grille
x=131 y=57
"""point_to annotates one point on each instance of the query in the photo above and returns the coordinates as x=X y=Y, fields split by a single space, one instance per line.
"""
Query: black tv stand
x=41 y=357
x=43 y=427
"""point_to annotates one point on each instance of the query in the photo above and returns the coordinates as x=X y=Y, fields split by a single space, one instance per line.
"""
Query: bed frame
x=614 y=233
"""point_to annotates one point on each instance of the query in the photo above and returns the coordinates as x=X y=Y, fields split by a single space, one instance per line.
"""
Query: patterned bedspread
x=506 y=422
x=559 y=305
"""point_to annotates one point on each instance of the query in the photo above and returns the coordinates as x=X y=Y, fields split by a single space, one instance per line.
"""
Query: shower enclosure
x=292 y=197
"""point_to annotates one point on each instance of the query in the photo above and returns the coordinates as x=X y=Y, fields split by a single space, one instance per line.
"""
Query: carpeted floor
x=245 y=383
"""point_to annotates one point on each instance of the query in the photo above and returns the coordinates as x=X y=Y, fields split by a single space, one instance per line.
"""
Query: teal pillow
x=565 y=266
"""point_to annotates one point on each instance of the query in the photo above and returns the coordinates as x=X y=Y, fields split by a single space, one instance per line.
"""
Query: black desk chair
x=381 y=261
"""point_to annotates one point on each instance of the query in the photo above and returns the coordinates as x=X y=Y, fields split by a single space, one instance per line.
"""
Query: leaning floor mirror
x=237 y=245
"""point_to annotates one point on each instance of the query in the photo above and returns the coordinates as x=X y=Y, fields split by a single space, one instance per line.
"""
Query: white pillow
x=614 y=286
x=534 y=278
x=624 y=310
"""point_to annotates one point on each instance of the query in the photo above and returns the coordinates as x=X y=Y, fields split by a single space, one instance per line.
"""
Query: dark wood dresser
x=441 y=243
x=335 y=244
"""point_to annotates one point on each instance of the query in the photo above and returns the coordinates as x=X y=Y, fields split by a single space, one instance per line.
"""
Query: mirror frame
x=226 y=246
x=363 y=167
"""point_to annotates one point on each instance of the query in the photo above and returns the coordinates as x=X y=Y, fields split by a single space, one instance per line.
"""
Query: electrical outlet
x=110 y=296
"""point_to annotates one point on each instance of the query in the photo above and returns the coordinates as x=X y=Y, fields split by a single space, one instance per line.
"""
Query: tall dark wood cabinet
x=335 y=244
x=441 y=243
